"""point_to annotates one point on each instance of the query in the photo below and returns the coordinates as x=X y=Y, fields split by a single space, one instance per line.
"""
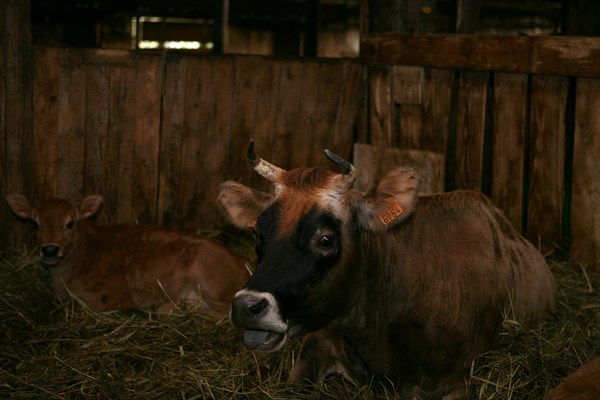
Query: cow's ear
x=391 y=201
x=89 y=206
x=20 y=206
x=242 y=205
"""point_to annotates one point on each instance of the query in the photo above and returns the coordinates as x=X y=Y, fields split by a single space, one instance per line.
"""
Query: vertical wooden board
x=266 y=117
x=289 y=103
x=45 y=128
x=407 y=95
x=15 y=121
x=249 y=81
x=329 y=99
x=510 y=118
x=350 y=99
x=585 y=200
x=380 y=106
x=437 y=88
x=174 y=86
x=470 y=129
x=546 y=166
x=409 y=126
x=310 y=115
x=218 y=142
x=146 y=137
x=121 y=128
x=97 y=165
x=71 y=124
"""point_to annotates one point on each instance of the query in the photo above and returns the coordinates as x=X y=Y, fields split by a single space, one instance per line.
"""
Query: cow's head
x=55 y=220
x=306 y=235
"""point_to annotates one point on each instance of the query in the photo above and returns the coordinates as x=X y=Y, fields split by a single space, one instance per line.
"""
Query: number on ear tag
x=391 y=214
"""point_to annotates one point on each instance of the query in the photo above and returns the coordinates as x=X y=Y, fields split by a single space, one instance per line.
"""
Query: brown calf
x=583 y=384
x=129 y=267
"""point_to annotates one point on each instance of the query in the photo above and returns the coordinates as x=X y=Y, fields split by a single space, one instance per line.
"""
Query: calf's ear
x=241 y=204
x=89 y=206
x=391 y=201
x=20 y=205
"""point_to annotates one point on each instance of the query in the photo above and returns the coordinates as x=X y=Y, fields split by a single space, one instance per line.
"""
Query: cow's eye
x=327 y=242
x=70 y=225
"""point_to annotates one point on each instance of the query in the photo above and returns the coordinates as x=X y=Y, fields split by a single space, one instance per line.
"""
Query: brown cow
x=130 y=267
x=583 y=384
x=399 y=288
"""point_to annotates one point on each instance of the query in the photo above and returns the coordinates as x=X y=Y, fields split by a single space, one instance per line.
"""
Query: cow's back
x=145 y=267
x=460 y=268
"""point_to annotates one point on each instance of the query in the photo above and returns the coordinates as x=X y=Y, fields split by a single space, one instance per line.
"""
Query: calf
x=583 y=384
x=397 y=287
x=129 y=267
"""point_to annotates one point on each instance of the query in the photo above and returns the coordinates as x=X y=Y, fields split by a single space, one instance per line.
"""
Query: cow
x=583 y=384
x=391 y=286
x=130 y=267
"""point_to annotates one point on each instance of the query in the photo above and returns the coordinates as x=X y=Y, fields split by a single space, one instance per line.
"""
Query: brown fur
x=418 y=294
x=583 y=384
x=126 y=267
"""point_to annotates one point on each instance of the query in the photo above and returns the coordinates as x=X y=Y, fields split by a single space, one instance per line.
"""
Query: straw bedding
x=63 y=351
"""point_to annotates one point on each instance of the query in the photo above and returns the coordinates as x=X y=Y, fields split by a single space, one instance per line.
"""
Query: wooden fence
x=517 y=118
x=157 y=133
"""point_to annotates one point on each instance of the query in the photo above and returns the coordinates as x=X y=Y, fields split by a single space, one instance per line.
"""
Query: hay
x=62 y=351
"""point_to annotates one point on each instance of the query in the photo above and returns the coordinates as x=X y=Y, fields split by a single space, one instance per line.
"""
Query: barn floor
x=62 y=351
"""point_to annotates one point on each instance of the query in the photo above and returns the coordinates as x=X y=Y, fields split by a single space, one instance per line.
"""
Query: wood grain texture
x=546 y=165
x=585 y=200
x=470 y=129
x=508 y=137
x=572 y=56
x=380 y=106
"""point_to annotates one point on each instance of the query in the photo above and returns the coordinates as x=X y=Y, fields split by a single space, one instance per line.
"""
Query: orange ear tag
x=391 y=214
x=251 y=224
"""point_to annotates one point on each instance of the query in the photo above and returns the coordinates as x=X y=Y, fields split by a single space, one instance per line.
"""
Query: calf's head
x=55 y=220
x=306 y=236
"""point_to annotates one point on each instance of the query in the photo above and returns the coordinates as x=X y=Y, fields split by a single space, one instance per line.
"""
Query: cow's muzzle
x=258 y=314
x=51 y=253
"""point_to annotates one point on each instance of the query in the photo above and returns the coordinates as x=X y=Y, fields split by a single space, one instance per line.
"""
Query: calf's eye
x=70 y=225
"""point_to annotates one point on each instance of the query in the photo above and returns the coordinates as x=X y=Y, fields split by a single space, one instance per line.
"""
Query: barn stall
x=156 y=132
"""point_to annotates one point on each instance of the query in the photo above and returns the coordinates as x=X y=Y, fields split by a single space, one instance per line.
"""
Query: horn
x=346 y=168
x=264 y=168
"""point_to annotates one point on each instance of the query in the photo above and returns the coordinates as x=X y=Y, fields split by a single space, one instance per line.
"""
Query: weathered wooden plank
x=555 y=55
x=374 y=162
x=175 y=78
x=585 y=200
x=311 y=114
x=380 y=106
x=71 y=124
x=349 y=101
x=436 y=92
x=146 y=137
x=45 y=129
x=509 y=132
x=249 y=83
x=546 y=171
x=16 y=130
x=121 y=128
x=97 y=173
x=407 y=93
x=470 y=129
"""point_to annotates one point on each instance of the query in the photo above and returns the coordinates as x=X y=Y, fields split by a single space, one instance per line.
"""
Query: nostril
x=258 y=307
x=50 y=250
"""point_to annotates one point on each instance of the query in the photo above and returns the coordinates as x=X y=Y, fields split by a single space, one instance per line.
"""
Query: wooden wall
x=156 y=134
x=517 y=118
